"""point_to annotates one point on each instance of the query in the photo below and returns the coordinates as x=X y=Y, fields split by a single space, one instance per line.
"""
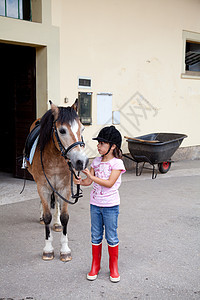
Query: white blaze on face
x=74 y=129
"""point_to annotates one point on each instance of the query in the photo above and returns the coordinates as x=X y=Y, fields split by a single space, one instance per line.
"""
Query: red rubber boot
x=113 y=263
x=96 y=262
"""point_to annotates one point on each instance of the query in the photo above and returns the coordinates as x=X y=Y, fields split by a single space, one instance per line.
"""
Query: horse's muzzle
x=81 y=165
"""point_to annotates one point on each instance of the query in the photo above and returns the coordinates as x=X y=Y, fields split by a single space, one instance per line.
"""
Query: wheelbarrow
x=155 y=149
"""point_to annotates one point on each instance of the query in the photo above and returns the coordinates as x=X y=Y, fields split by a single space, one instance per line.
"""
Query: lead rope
x=79 y=191
x=74 y=196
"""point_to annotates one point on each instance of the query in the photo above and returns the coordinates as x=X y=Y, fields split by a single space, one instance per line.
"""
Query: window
x=85 y=108
x=191 y=55
x=18 y=9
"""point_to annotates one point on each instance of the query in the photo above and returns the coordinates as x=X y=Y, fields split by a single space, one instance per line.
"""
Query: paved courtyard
x=159 y=232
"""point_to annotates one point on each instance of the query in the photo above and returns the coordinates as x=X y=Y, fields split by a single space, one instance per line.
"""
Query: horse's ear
x=75 y=105
x=54 y=110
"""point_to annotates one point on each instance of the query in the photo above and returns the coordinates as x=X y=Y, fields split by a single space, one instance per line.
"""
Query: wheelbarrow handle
x=139 y=140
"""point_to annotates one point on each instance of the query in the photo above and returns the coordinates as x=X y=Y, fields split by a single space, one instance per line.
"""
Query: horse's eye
x=62 y=130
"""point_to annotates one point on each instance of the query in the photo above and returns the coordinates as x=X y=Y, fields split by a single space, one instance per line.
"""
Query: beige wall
x=134 y=50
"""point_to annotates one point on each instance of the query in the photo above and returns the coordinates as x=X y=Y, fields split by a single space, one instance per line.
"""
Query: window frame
x=192 y=37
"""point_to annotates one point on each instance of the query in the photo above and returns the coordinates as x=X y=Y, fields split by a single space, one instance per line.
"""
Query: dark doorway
x=18 y=104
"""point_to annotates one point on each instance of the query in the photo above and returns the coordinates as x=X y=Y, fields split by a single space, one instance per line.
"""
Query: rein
x=64 y=153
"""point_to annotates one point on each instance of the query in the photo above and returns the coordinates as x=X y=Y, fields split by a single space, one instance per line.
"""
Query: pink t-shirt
x=101 y=195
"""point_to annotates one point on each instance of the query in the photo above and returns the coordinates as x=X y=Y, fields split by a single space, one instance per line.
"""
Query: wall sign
x=104 y=109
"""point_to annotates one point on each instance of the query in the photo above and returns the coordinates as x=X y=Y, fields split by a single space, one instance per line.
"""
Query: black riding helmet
x=110 y=135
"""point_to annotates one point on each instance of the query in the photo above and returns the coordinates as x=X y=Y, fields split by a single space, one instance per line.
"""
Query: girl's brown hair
x=117 y=153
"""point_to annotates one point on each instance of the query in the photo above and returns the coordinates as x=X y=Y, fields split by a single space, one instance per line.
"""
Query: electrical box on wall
x=85 y=107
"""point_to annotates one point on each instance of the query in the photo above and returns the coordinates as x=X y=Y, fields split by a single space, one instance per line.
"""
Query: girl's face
x=103 y=147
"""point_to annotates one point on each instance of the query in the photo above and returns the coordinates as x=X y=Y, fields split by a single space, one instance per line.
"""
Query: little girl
x=106 y=173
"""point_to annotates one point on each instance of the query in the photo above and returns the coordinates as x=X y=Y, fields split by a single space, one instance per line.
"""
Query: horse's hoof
x=42 y=221
x=57 y=227
x=65 y=256
x=48 y=255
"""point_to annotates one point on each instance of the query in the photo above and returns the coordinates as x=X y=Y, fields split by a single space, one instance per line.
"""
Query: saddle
x=31 y=142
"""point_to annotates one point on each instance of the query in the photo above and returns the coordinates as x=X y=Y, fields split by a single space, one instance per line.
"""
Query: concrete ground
x=159 y=232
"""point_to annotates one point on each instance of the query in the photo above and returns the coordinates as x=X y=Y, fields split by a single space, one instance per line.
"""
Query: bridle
x=64 y=153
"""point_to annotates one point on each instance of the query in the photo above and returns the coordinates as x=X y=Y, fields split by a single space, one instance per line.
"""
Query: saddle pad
x=31 y=142
x=32 y=152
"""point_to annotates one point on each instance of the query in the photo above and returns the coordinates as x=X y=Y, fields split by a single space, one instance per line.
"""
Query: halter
x=64 y=153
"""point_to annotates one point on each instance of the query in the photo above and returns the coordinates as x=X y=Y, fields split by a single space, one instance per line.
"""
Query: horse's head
x=68 y=133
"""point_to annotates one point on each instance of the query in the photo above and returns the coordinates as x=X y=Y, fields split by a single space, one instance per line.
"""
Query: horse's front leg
x=65 y=252
x=48 y=251
x=41 y=214
x=56 y=217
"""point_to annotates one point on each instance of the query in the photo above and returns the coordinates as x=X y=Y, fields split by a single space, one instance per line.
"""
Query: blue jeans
x=104 y=217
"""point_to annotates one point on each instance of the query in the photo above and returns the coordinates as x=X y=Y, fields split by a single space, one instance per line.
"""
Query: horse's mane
x=66 y=115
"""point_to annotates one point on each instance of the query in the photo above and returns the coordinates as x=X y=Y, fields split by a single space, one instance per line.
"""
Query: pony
x=59 y=141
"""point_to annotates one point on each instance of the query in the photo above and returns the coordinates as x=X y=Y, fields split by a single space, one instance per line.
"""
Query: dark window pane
x=192 y=57
x=84 y=82
x=26 y=10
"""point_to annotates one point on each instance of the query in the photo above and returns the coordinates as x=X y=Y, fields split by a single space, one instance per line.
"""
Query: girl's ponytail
x=117 y=153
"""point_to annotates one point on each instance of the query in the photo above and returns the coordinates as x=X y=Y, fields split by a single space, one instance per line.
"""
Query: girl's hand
x=87 y=173
x=86 y=181
x=77 y=181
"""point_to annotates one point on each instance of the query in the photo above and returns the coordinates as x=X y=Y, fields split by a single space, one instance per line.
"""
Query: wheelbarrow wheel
x=164 y=166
